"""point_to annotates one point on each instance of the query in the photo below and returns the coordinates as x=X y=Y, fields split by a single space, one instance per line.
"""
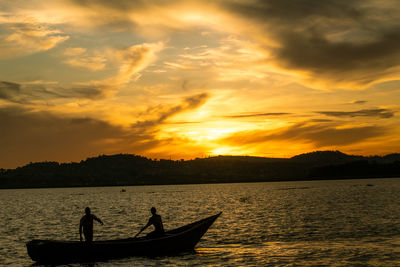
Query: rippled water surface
x=335 y=223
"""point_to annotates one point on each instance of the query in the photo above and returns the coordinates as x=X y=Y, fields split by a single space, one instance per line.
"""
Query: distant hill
x=326 y=157
x=389 y=158
x=127 y=169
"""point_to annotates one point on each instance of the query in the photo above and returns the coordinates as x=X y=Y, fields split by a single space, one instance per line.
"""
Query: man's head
x=153 y=210
x=87 y=210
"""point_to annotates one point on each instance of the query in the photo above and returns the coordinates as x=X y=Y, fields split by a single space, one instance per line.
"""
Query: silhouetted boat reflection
x=174 y=241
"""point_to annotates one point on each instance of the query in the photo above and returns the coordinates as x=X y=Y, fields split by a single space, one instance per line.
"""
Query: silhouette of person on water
x=156 y=221
x=86 y=224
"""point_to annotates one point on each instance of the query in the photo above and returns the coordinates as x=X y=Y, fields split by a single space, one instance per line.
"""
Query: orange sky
x=186 y=79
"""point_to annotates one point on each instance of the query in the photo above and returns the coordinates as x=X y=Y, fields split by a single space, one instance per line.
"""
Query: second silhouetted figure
x=155 y=220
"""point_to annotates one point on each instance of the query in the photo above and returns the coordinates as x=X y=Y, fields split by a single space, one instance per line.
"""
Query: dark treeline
x=126 y=169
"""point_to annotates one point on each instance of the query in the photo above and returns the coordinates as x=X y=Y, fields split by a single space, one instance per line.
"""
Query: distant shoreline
x=132 y=170
x=244 y=182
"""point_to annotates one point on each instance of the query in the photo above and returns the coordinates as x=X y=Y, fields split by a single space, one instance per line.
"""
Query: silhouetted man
x=86 y=224
x=156 y=221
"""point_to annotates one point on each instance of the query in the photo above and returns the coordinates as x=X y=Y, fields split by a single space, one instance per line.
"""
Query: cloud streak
x=163 y=114
x=381 y=113
x=9 y=90
x=359 y=102
x=43 y=92
x=270 y=114
x=320 y=135
x=78 y=57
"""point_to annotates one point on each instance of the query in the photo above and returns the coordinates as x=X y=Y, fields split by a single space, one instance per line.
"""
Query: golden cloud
x=79 y=57
x=25 y=36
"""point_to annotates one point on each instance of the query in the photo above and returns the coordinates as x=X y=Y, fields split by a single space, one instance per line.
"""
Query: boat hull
x=175 y=241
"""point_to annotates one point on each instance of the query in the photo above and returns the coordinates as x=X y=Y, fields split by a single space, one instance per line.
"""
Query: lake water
x=323 y=223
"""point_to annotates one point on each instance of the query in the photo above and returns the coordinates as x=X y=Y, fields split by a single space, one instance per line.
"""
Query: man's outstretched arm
x=144 y=227
x=97 y=219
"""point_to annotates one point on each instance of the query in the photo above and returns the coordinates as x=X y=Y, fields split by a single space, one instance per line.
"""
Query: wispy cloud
x=41 y=93
x=233 y=60
x=134 y=59
x=130 y=61
x=181 y=65
x=79 y=57
x=90 y=63
x=270 y=114
x=8 y=90
x=25 y=35
x=381 y=113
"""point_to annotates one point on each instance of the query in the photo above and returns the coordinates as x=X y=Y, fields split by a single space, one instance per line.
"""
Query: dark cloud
x=163 y=114
x=27 y=37
x=17 y=93
x=271 y=114
x=321 y=120
x=295 y=11
x=8 y=90
x=342 y=61
x=320 y=135
x=359 y=102
x=112 y=21
x=24 y=94
x=196 y=100
x=337 y=40
x=381 y=113
x=124 y=5
x=88 y=91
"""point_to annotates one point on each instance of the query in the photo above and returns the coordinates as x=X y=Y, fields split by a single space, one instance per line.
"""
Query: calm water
x=335 y=223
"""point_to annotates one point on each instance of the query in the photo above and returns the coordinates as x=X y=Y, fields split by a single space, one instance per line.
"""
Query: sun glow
x=223 y=151
x=201 y=133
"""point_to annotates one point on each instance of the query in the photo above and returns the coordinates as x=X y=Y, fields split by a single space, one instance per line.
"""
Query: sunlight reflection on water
x=286 y=223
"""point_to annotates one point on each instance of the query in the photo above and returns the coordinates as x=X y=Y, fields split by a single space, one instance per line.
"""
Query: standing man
x=156 y=221
x=86 y=224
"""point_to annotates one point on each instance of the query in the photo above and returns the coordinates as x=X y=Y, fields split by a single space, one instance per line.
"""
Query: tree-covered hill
x=126 y=169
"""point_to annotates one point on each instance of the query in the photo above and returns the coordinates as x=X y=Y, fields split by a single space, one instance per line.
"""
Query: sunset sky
x=186 y=79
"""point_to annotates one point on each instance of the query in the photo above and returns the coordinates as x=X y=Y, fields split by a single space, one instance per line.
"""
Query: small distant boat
x=174 y=241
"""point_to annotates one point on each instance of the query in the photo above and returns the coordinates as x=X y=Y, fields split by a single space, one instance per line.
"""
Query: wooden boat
x=174 y=241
